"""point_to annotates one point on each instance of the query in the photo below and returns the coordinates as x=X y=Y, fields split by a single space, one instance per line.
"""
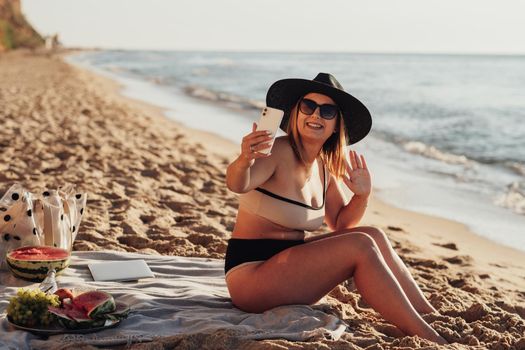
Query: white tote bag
x=51 y=217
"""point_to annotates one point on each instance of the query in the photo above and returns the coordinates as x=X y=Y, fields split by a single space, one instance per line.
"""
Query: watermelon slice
x=73 y=318
x=121 y=312
x=94 y=303
x=60 y=312
x=33 y=263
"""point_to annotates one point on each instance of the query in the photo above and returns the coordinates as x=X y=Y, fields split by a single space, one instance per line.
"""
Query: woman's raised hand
x=253 y=143
x=357 y=177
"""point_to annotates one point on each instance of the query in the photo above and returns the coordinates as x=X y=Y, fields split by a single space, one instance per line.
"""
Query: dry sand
x=158 y=187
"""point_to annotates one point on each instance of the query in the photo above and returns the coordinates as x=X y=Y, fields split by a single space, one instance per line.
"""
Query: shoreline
x=488 y=252
x=224 y=148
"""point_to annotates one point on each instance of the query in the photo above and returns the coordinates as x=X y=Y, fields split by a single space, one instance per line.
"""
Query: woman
x=294 y=189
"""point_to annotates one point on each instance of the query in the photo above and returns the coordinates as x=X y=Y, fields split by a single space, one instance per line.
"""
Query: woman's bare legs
x=396 y=265
x=305 y=273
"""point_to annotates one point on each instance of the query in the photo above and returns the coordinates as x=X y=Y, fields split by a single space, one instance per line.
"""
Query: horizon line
x=442 y=53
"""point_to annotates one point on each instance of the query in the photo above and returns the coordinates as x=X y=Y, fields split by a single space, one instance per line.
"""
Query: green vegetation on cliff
x=6 y=35
x=15 y=31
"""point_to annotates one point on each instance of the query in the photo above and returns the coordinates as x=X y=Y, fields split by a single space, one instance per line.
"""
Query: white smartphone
x=270 y=120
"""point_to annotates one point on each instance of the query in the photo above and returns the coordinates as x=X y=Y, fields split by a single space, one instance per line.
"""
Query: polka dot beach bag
x=50 y=218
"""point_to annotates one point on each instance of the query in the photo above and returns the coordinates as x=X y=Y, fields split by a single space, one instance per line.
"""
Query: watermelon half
x=33 y=263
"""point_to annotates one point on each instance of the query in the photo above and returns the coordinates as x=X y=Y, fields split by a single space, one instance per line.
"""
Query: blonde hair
x=332 y=153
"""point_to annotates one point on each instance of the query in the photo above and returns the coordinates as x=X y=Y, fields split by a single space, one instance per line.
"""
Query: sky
x=390 y=26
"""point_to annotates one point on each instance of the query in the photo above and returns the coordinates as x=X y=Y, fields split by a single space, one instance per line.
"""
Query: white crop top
x=284 y=211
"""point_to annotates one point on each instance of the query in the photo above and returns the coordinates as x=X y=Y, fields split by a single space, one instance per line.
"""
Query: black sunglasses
x=326 y=111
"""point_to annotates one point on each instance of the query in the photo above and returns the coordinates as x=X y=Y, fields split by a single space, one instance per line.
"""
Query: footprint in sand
x=451 y=245
x=463 y=260
x=217 y=231
x=120 y=204
x=177 y=187
x=135 y=241
x=457 y=282
x=146 y=219
x=209 y=187
x=154 y=173
x=427 y=276
x=187 y=169
x=407 y=248
x=189 y=217
x=425 y=263
x=232 y=202
x=216 y=212
x=111 y=195
x=201 y=239
x=498 y=265
x=179 y=207
x=129 y=230
x=229 y=225
x=201 y=199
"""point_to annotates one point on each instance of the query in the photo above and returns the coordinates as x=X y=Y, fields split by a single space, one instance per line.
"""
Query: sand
x=158 y=187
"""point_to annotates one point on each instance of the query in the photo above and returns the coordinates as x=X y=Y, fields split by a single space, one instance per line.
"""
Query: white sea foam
x=224 y=61
x=200 y=92
x=514 y=198
x=200 y=71
x=518 y=168
x=420 y=148
x=116 y=69
x=156 y=80
x=229 y=100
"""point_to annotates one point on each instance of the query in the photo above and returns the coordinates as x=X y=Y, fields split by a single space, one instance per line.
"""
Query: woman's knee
x=363 y=244
x=377 y=234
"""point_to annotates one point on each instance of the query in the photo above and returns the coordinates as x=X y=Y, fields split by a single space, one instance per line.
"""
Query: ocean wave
x=224 y=61
x=116 y=69
x=223 y=98
x=518 y=168
x=514 y=198
x=428 y=151
x=156 y=80
x=202 y=71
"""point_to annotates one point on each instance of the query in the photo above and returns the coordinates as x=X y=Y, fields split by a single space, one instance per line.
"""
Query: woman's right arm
x=251 y=168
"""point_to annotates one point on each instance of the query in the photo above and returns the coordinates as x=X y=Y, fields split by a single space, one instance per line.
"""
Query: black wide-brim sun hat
x=284 y=94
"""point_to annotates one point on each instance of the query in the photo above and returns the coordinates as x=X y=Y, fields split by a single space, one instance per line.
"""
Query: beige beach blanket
x=188 y=295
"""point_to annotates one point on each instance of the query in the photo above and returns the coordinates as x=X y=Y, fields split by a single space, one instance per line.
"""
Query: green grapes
x=29 y=308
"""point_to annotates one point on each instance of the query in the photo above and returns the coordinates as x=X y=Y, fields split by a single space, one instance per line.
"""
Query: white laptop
x=128 y=270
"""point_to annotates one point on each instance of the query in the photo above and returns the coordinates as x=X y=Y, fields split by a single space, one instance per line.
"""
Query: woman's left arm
x=357 y=179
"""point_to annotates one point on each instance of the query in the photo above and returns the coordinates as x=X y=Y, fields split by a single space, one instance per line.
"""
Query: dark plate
x=57 y=329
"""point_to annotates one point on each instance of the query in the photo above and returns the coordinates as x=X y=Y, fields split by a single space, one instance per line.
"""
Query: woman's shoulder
x=282 y=148
x=282 y=143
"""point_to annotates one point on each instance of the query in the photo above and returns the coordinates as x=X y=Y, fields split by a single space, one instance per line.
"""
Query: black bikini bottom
x=241 y=251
